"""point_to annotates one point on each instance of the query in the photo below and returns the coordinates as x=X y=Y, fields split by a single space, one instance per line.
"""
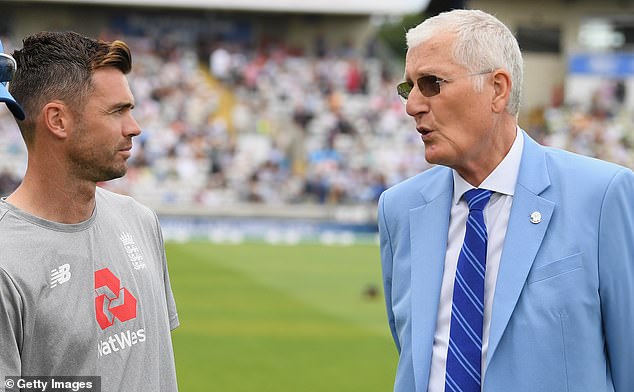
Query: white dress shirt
x=496 y=217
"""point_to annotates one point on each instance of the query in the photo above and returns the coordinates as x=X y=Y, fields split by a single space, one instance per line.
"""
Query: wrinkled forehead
x=431 y=55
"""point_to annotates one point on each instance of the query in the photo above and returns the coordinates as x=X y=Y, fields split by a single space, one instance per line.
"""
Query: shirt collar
x=502 y=179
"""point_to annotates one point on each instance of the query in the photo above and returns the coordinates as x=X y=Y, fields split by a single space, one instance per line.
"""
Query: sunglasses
x=8 y=66
x=429 y=85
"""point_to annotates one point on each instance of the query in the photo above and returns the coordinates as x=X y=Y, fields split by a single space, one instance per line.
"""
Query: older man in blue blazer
x=529 y=288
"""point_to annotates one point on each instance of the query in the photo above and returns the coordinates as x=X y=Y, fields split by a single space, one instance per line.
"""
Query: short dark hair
x=59 y=65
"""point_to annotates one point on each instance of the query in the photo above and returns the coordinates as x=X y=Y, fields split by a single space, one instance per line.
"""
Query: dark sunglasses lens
x=429 y=85
x=7 y=69
x=403 y=90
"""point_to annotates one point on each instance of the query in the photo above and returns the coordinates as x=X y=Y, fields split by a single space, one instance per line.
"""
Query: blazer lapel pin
x=536 y=217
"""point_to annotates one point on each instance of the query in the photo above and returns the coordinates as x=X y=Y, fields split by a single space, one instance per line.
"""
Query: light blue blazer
x=563 y=309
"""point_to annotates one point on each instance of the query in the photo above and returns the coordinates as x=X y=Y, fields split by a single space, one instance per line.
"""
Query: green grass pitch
x=259 y=318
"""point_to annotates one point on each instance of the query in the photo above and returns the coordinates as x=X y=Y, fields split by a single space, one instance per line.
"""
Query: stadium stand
x=229 y=123
x=322 y=128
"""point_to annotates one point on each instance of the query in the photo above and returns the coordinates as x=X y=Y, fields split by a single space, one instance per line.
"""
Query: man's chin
x=113 y=174
x=432 y=155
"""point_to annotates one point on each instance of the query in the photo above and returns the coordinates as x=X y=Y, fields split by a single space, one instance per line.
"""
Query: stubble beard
x=95 y=163
x=92 y=168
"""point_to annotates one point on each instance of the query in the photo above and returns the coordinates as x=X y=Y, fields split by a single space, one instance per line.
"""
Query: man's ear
x=57 y=118
x=501 y=90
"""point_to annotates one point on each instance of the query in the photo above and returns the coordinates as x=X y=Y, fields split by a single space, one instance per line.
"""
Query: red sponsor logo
x=112 y=301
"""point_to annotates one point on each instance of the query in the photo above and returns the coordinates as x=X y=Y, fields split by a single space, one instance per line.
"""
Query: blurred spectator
x=220 y=63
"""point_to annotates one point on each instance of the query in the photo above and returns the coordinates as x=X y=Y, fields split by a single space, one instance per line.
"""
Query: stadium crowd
x=318 y=128
x=278 y=125
x=601 y=128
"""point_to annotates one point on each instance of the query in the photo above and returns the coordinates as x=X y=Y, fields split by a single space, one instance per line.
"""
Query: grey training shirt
x=87 y=299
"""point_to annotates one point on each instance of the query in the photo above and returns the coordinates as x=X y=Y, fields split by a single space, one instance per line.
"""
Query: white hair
x=482 y=43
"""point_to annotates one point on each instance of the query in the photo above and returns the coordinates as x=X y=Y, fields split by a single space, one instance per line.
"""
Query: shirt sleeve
x=11 y=332
x=169 y=296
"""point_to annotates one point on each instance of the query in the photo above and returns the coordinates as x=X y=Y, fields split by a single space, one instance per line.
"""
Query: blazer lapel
x=429 y=225
x=523 y=238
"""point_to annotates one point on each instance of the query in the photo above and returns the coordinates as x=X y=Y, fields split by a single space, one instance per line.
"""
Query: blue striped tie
x=465 y=337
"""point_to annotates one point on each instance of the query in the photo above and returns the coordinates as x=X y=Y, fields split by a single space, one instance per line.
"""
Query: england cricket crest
x=132 y=250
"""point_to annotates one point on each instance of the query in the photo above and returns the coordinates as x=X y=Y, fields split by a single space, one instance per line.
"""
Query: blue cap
x=6 y=97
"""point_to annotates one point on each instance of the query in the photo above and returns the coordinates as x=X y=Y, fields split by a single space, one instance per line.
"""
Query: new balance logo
x=60 y=275
x=112 y=301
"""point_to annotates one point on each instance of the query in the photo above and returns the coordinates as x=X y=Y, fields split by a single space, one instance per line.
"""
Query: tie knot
x=477 y=198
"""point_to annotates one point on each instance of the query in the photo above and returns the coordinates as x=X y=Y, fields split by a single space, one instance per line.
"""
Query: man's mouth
x=423 y=131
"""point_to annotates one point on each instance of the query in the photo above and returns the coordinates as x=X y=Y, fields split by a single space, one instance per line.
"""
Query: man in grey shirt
x=84 y=286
